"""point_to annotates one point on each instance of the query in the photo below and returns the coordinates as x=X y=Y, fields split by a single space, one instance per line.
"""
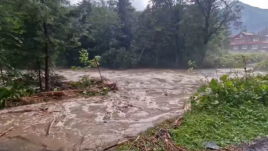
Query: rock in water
x=212 y=146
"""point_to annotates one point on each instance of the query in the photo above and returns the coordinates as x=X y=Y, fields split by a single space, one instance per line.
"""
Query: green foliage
x=192 y=65
x=16 y=86
x=233 y=60
x=75 y=68
x=91 y=87
x=227 y=111
x=166 y=34
x=7 y=93
x=95 y=62
x=85 y=82
x=226 y=126
x=84 y=57
x=232 y=91
x=119 y=58
x=105 y=91
x=263 y=64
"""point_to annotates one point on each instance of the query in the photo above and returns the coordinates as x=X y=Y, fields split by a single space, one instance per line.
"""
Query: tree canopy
x=40 y=34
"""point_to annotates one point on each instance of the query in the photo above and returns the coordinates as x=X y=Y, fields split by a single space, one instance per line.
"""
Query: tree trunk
x=202 y=56
x=176 y=52
x=156 y=60
x=156 y=57
x=177 y=60
x=38 y=69
x=46 y=54
x=2 y=75
x=99 y=71
x=39 y=74
x=46 y=58
x=145 y=47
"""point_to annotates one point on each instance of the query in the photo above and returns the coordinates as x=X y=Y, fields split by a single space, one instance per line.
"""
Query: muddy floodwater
x=146 y=97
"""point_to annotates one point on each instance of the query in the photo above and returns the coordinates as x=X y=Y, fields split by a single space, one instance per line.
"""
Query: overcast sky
x=141 y=4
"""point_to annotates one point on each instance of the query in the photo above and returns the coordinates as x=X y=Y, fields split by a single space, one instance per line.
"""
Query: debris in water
x=4 y=133
x=110 y=147
x=49 y=126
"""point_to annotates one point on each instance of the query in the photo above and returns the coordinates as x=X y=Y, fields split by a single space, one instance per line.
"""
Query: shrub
x=16 y=87
x=229 y=111
x=232 y=60
x=232 y=91
x=118 y=58
x=262 y=65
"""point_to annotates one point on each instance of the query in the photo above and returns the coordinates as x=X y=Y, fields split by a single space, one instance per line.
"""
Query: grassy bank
x=226 y=126
x=228 y=112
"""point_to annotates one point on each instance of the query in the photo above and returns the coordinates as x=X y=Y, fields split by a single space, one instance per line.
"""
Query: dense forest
x=41 y=34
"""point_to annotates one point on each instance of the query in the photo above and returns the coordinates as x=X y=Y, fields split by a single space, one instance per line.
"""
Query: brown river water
x=146 y=97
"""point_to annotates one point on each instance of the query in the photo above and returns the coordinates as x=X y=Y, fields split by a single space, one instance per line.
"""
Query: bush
x=232 y=60
x=262 y=65
x=232 y=91
x=119 y=58
x=83 y=83
x=228 y=111
x=15 y=89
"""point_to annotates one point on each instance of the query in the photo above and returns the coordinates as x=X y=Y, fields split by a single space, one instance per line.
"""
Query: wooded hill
x=254 y=19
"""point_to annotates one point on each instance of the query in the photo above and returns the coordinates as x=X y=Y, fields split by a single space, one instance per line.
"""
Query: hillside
x=254 y=18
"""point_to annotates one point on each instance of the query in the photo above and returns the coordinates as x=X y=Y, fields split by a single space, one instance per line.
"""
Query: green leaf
x=213 y=84
x=4 y=93
x=229 y=84
x=202 y=88
x=224 y=78
x=264 y=87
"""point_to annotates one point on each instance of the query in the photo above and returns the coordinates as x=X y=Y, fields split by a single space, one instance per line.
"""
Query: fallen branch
x=49 y=126
x=178 y=122
x=4 y=133
x=27 y=110
x=19 y=111
x=82 y=140
x=133 y=143
x=110 y=147
x=53 y=93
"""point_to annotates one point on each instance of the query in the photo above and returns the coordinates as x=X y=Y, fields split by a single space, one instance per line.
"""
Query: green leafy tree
x=95 y=62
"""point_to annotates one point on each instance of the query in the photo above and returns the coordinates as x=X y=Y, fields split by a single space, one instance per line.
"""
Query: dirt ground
x=259 y=145
x=146 y=97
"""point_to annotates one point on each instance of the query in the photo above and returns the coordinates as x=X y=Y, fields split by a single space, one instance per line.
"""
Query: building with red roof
x=248 y=42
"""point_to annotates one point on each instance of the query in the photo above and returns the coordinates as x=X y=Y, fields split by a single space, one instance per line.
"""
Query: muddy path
x=146 y=97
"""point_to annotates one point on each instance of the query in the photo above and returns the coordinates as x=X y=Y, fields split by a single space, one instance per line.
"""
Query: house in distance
x=248 y=42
